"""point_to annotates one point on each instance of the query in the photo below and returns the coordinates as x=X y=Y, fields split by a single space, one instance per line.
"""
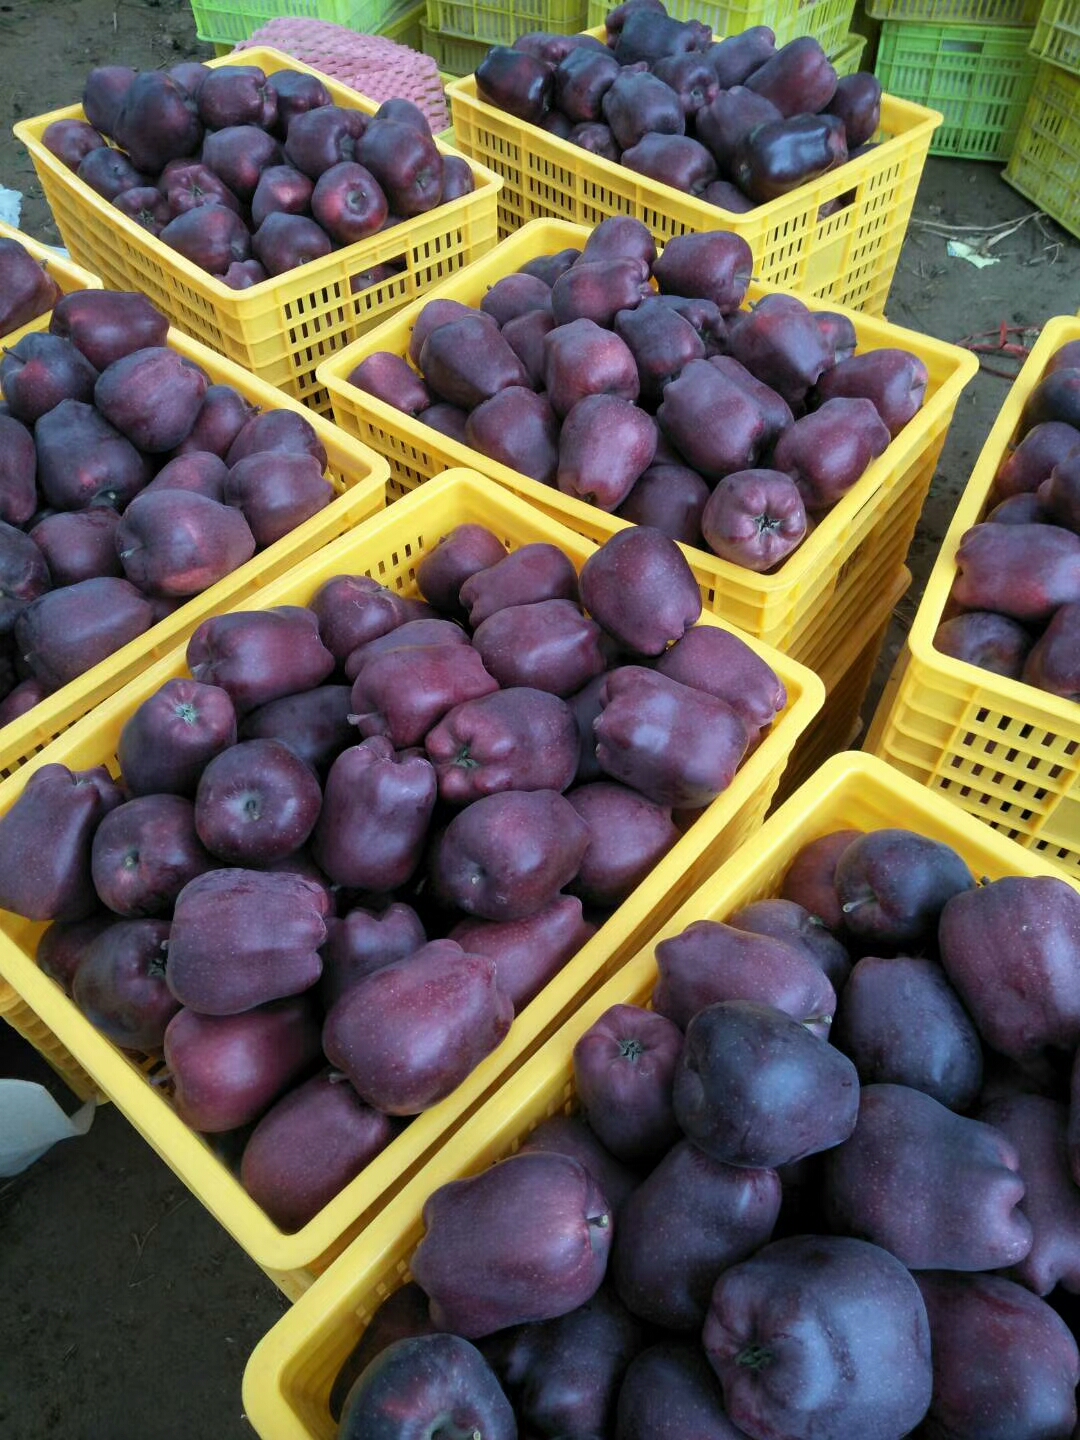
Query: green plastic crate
x=453 y=55
x=1057 y=34
x=979 y=77
x=848 y=59
x=227 y=22
x=405 y=30
x=498 y=23
x=1045 y=162
x=957 y=12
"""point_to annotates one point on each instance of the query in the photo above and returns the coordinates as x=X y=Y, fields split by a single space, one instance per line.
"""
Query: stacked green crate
x=1045 y=162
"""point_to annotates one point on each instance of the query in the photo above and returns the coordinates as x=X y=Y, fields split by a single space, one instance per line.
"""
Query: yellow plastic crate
x=281 y=328
x=288 y=1379
x=500 y=22
x=357 y=474
x=66 y=273
x=838 y=569
x=389 y=547
x=1002 y=750
x=846 y=674
x=847 y=257
x=25 y=1023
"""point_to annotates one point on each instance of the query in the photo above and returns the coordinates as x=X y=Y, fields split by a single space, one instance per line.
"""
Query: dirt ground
x=127 y=1311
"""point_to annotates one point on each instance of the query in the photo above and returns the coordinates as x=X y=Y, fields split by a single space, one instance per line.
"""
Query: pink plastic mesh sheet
x=377 y=67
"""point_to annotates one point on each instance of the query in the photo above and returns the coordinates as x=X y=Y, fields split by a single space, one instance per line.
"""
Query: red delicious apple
x=238 y=155
x=282 y=242
x=308 y=1147
x=323 y=136
x=257 y=802
x=26 y=288
x=157 y=121
x=145 y=205
x=223 y=414
x=188 y=185
x=120 y=984
x=62 y=947
x=348 y=202
x=270 y=924
x=754 y=518
x=53 y=819
x=82 y=459
x=448 y=1384
x=64 y=633
x=103 y=94
x=166 y=743
x=24 y=575
x=152 y=396
x=78 y=544
x=109 y=172
x=276 y=492
x=145 y=852
x=106 y=325
x=482 y=1272
x=226 y=1070
x=276 y=430
x=408 y=1033
x=71 y=140
x=237 y=95
x=18 y=463
x=210 y=236
x=530 y=952
x=297 y=92
x=260 y=655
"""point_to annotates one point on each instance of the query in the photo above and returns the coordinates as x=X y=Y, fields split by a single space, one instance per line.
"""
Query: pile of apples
x=826 y=1188
x=1015 y=601
x=249 y=175
x=128 y=484
x=27 y=290
x=730 y=429
x=738 y=123
x=366 y=833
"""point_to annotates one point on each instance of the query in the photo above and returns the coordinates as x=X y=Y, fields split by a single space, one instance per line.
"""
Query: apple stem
x=853 y=905
x=754 y=1357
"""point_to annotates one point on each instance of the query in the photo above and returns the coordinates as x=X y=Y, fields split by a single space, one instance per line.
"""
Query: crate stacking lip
x=1045 y=161
x=1057 y=34
x=282 y=327
x=291 y=1372
x=862 y=541
x=69 y=276
x=845 y=253
x=957 y=12
x=978 y=76
x=1004 y=751
x=388 y=547
x=500 y=22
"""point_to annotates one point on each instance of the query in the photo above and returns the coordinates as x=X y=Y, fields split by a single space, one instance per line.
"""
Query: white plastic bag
x=31 y=1122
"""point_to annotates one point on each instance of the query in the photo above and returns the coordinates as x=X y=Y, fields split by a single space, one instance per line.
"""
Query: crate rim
x=330 y=1299
x=903 y=119
x=920 y=639
x=332 y=373
x=18 y=735
x=485 y=180
x=278 y=1251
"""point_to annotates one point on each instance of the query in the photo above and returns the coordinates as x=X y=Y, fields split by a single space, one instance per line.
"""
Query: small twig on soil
x=141 y=1240
x=1007 y=225
x=68 y=1354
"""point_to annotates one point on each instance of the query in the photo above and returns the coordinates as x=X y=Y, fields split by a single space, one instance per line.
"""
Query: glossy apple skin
x=628 y=836
x=821 y=1335
x=445 y=1383
x=178 y=543
x=516 y=739
x=671 y=1391
x=538 y=571
x=754 y=518
x=260 y=655
x=688 y=1220
x=256 y=803
x=482 y=1272
x=937 y=1190
x=640 y=588
x=408 y=1033
x=145 y=852
x=1005 y=1363
x=106 y=325
x=754 y=1087
x=1024 y=1006
x=376 y=809
x=65 y=632
x=563 y=1375
x=120 y=984
x=643 y=738
x=624 y=1069
x=271 y=925
x=893 y=885
x=710 y=961
x=309 y=1146
x=506 y=856
x=361 y=941
x=226 y=1070
x=984 y=638
x=530 y=952
x=166 y=743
